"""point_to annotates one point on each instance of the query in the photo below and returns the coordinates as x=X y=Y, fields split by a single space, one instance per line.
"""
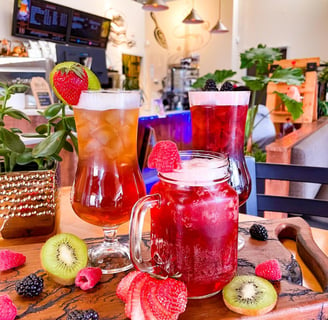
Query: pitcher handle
x=136 y=225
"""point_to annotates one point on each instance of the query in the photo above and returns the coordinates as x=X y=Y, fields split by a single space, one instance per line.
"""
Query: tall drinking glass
x=108 y=180
x=218 y=121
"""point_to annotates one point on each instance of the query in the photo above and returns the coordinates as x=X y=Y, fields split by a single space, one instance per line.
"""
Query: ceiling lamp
x=219 y=26
x=155 y=5
x=193 y=17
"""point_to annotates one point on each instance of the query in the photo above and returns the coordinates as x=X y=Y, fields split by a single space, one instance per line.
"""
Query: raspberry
x=210 y=85
x=8 y=310
x=10 y=259
x=269 y=270
x=30 y=286
x=164 y=156
x=258 y=232
x=227 y=86
x=87 y=278
x=89 y=314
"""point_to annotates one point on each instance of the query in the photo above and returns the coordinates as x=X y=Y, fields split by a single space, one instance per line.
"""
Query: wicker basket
x=28 y=203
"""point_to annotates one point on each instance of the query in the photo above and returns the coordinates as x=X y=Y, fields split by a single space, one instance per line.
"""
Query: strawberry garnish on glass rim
x=68 y=81
x=164 y=157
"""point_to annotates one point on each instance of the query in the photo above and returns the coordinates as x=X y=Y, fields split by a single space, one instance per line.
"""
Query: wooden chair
x=258 y=202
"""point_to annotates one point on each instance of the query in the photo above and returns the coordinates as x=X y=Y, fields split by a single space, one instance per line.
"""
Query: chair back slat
x=258 y=202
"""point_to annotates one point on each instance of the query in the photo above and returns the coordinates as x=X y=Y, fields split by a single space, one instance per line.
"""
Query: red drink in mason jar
x=218 y=124
x=194 y=227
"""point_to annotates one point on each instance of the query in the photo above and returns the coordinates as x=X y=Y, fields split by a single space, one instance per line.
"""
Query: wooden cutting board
x=295 y=301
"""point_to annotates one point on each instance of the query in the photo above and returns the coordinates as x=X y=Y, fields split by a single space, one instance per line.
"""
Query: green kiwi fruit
x=249 y=295
x=63 y=256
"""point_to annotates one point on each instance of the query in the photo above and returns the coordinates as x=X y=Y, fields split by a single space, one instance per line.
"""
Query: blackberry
x=89 y=314
x=30 y=286
x=227 y=86
x=258 y=232
x=210 y=85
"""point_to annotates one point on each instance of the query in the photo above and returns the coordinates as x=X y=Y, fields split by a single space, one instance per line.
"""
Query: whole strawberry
x=68 y=80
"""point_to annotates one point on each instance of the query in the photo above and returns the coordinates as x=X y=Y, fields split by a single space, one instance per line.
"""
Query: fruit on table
x=258 y=232
x=63 y=256
x=30 y=286
x=150 y=298
x=10 y=259
x=269 y=269
x=89 y=314
x=249 y=295
x=88 y=277
x=68 y=79
x=8 y=310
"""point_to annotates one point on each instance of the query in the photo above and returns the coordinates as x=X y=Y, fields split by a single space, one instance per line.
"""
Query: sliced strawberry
x=164 y=156
x=136 y=309
x=124 y=285
x=148 y=288
x=129 y=301
x=172 y=295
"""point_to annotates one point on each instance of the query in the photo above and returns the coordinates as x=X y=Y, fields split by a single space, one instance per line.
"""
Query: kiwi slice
x=62 y=256
x=249 y=295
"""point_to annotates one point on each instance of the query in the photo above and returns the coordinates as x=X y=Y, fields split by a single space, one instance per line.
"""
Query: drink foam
x=199 y=171
x=108 y=99
x=219 y=98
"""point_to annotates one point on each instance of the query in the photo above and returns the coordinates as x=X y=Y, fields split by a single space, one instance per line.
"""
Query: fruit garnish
x=68 y=79
x=63 y=256
x=87 y=278
x=258 y=232
x=227 y=86
x=249 y=295
x=147 y=297
x=8 y=310
x=30 y=286
x=164 y=156
x=89 y=314
x=210 y=85
x=124 y=285
x=269 y=270
x=10 y=259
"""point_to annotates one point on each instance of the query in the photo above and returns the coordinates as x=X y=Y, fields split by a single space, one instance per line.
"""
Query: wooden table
x=60 y=299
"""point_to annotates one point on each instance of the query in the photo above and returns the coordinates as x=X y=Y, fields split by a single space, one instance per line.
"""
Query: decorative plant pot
x=17 y=101
x=28 y=203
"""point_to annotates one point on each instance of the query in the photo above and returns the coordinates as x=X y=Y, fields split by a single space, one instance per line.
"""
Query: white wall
x=298 y=24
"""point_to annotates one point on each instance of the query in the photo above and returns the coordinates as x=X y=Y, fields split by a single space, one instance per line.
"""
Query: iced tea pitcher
x=194 y=225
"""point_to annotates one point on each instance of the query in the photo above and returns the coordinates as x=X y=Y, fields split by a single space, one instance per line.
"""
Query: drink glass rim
x=220 y=172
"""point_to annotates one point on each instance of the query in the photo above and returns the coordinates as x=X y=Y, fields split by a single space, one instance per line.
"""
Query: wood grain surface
x=294 y=300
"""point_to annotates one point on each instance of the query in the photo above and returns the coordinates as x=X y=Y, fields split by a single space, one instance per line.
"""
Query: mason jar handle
x=139 y=211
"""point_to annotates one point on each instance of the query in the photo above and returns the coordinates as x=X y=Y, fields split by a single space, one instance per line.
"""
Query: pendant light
x=219 y=26
x=193 y=17
x=155 y=5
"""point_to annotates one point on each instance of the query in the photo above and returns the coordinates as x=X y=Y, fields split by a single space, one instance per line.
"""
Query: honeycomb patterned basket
x=28 y=203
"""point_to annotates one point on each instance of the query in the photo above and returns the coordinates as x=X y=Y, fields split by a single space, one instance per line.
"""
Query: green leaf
x=221 y=75
x=16 y=114
x=74 y=141
x=260 y=57
x=53 y=110
x=50 y=145
x=70 y=123
x=42 y=128
x=291 y=76
x=12 y=141
x=68 y=146
x=4 y=152
x=25 y=158
x=255 y=83
x=18 y=88
x=293 y=106
x=16 y=130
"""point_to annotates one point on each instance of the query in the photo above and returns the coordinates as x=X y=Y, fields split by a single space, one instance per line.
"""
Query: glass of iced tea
x=194 y=225
x=218 y=124
x=108 y=180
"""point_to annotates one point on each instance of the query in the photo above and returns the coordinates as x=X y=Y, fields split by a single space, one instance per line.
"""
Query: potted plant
x=18 y=88
x=29 y=175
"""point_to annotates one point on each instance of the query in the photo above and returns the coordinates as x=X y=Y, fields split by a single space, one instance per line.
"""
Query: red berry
x=124 y=285
x=8 y=310
x=87 y=278
x=164 y=156
x=69 y=82
x=269 y=270
x=11 y=259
